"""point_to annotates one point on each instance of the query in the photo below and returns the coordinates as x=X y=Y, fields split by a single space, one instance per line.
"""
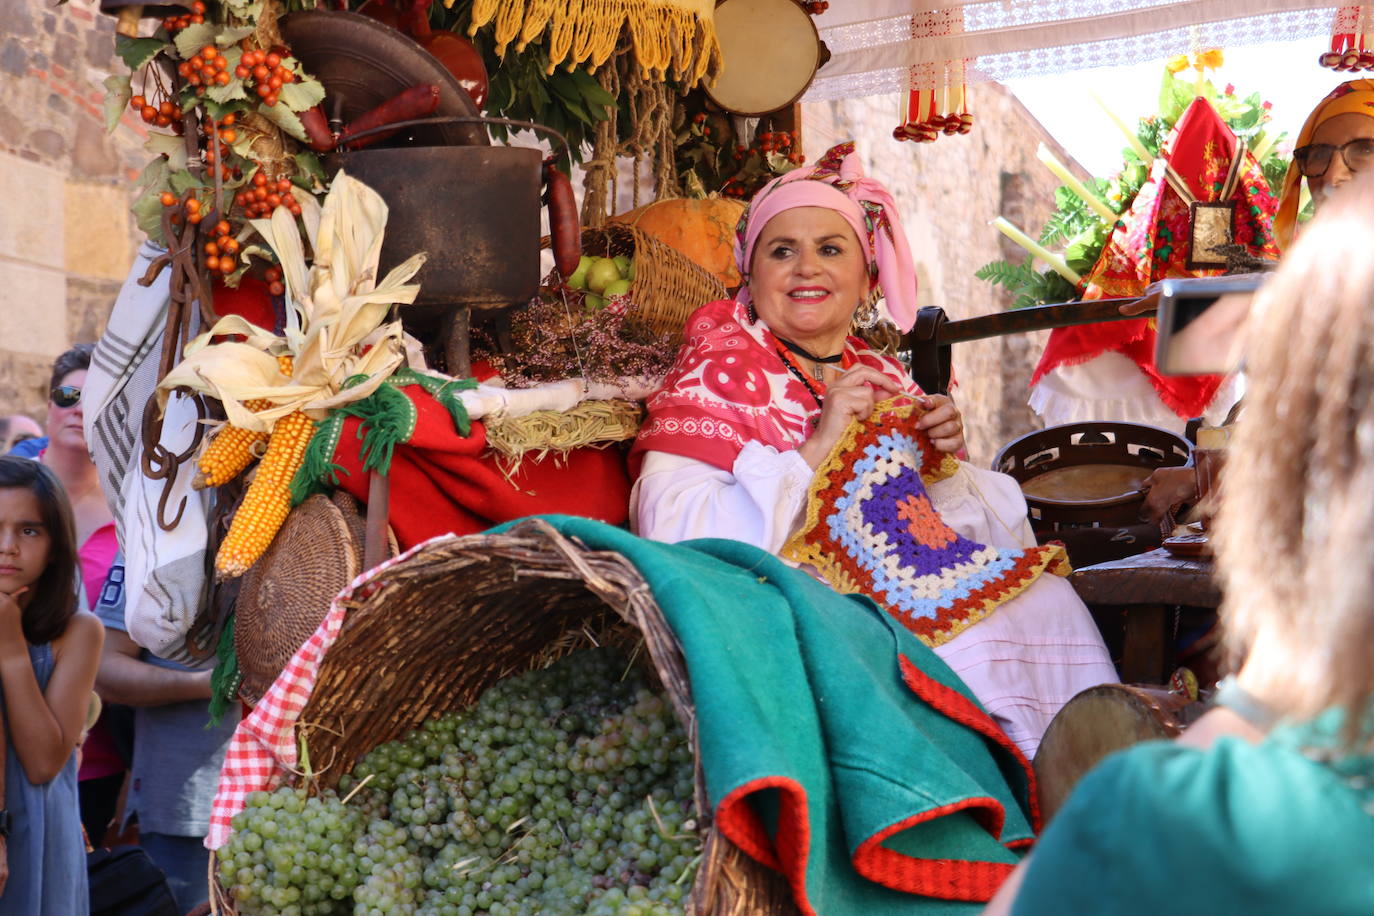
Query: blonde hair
x=1296 y=528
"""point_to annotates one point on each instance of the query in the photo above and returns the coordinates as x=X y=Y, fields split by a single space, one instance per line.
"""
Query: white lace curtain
x=885 y=46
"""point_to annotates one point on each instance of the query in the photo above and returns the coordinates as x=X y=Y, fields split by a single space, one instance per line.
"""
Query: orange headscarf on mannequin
x=1353 y=97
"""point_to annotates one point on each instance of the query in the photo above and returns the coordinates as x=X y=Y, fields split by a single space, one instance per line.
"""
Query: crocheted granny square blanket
x=871 y=528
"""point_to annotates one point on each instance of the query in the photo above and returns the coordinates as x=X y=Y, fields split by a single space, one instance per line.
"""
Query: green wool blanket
x=836 y=747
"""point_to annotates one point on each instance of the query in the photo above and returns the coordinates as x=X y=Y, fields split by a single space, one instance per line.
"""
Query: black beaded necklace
x=818 y=360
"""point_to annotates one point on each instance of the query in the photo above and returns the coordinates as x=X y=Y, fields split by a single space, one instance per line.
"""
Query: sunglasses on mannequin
x=65 y=395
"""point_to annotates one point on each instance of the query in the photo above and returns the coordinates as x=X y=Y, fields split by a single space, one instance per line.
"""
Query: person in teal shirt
x=1266 y=805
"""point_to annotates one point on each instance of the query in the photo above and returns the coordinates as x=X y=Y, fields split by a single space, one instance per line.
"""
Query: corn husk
x=336 y=311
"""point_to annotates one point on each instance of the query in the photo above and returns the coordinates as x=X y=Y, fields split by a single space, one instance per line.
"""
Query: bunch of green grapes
x=392 y=875
x=292 y=855
x=561 y=791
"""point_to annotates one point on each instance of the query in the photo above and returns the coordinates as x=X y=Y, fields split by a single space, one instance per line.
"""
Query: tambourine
x=770 y=51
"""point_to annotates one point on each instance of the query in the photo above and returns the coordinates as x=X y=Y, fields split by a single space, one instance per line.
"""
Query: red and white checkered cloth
x=263 y=749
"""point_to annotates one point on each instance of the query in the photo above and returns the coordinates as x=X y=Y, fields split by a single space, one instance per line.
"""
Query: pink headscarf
x=837 y=182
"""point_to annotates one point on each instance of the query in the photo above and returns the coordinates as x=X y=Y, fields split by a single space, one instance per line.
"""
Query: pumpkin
x=703 y=230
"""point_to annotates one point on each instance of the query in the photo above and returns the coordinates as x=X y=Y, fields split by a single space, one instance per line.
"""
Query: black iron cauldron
x=1082 y=483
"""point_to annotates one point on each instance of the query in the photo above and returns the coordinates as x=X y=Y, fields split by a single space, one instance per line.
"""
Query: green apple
x=630 y=273
x=578 y=280
x=618 y=288
x=592 y=302
x=622 y=264
x=601 y=274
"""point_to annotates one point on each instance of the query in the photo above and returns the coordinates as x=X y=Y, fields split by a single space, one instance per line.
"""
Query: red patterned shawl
x=730 y=386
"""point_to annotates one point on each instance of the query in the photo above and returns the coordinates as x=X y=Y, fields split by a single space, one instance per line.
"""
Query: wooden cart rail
x=930 y=339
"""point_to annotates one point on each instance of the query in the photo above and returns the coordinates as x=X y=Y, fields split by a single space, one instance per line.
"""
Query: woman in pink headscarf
x=766 y=385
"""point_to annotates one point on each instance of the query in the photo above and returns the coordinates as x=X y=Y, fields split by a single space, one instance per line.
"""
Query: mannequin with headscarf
x=765 y=385
x=1336 y=141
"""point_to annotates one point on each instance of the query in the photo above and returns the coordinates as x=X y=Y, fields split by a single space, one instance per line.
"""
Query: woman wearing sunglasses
x=1335 y=143
x=64 y=452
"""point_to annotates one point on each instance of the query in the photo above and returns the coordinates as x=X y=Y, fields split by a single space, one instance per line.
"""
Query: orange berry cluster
x=207 y=68
x=274 y=284
x=265 y=196
x=816 y=7
x=266 y=72
x=217 y=138
x=222 y=254
x=195 y=17
x=163 y=114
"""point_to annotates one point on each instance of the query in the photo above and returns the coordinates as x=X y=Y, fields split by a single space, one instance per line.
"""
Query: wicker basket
x=667 y=287
x=409 y=652
x=285 y=595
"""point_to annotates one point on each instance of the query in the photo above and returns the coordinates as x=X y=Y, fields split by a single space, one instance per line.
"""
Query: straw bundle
x=545 y=431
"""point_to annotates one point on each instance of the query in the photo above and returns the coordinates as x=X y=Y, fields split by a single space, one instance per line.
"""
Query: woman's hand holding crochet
x=942 y=422
x=850 y=397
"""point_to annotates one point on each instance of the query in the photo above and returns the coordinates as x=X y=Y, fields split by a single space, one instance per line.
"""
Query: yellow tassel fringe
x=667 y=35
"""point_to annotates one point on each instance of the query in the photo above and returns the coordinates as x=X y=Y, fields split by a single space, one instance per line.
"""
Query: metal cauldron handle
x=456 y=119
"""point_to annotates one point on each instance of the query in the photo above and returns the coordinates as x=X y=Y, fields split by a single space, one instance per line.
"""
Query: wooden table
x=1146 y=587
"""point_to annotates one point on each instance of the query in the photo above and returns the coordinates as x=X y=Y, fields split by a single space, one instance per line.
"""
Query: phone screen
x=1202 y=323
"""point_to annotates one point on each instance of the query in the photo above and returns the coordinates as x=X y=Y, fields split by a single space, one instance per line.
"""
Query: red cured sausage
x=565 y=236
x=317 y=129
x=416 y=102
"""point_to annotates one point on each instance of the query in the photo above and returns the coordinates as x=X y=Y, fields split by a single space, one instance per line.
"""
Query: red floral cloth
x=1153 y=242
x=730 y=386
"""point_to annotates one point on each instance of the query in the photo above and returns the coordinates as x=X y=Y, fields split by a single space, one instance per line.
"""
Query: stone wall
x=948 y=191
x=66 y=235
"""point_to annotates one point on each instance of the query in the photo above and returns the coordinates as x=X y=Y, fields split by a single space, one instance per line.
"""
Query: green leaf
x=309 y=164
x=300 y=95
x=191 y=39
x=230 y=92
x=284 y=118
x=147 y=210
x=169 y=145
x=118 y=92
x=154 y=174
x=243 y=143
x=248 y=10
x=137 y=52
x=1005 y=273
x=183 y=181
x=577 y=111
x=592 y=91
x=232 y=36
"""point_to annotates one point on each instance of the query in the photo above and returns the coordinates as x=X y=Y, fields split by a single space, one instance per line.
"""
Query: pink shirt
x=99 y=756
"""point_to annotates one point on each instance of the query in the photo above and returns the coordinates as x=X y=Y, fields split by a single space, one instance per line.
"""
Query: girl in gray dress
x=49 y=652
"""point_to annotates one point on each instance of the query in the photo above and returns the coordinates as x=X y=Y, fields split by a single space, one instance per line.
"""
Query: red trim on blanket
x=959 y=708
x=946 y=879
x=789 y=851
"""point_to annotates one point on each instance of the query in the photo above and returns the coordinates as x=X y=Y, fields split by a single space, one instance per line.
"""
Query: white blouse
x=1024 y=661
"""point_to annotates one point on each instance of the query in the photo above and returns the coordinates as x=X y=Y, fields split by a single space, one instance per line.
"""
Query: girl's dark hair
x=78 y=357
x=54 y=594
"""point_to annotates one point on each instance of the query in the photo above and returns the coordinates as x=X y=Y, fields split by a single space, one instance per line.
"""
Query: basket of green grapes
x=503 y=728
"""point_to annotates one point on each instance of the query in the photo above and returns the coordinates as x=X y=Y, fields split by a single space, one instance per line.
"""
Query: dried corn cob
x=268 y=499
x=233 y=447
x=232 y=450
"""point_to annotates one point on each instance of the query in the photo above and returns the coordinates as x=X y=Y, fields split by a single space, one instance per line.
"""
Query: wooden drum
x=1097 y=722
